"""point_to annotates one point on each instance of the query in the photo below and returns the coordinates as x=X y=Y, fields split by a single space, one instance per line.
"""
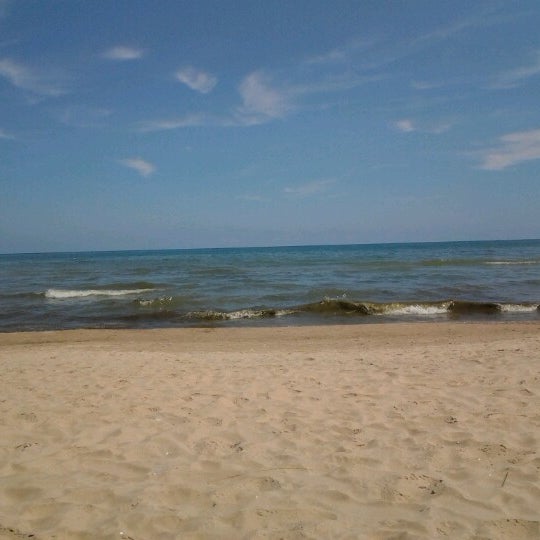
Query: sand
x=388 y=431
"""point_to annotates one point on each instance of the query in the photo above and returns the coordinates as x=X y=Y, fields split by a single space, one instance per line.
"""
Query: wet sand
x=386 y=431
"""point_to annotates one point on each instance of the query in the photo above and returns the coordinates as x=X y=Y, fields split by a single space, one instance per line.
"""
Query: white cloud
x=196 y=79
x=333 y=56
x=513 y=148
x=485 y=17
x=310 y=188
x=123 y=53
x=406 y=125
x=341 y=54
x=260 y=101
x=41 y=82
x=518 y=76
x=190 y=120
x=144 y=168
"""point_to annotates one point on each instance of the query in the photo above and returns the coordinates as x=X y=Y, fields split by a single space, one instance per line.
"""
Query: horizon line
x=277 y=246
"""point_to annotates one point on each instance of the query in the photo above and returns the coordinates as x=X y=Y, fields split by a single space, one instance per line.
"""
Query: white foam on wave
x=239 y=314
x=511 y=263
x=417 y=309
x=60 y=294
x=257 y=313
x=518 y=308
x=161 y=301
x=244 y=314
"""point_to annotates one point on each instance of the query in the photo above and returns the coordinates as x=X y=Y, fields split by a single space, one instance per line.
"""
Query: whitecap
x=60 y=294
x=417 y=309
x=518 y=308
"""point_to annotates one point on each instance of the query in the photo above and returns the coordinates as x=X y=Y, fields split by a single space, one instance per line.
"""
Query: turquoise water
x=271 y=286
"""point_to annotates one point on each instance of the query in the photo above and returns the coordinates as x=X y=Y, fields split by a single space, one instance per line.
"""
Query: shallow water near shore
x=496 y=280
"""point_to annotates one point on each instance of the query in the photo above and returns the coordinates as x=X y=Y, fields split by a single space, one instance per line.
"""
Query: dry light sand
x=389 y=431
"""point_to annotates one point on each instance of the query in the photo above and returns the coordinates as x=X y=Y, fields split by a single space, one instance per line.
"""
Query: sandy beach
x=389 y=431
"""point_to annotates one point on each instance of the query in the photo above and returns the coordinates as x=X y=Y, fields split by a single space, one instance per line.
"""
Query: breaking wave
x=456 y=307
x=60 y=294
x=211 y=315
x=162 y=308
x=182 y=307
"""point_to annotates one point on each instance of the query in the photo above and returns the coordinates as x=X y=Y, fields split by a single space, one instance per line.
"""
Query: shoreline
x=244 y=339
x=157 y=314
x=375 y=431
x=108 y=332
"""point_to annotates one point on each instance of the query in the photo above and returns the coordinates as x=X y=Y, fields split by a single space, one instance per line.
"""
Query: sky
x=137 y=124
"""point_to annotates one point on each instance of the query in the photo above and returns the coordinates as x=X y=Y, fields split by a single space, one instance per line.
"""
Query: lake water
x=498 y=280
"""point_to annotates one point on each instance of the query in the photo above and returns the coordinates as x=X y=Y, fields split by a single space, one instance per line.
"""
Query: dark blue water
x=282 y=285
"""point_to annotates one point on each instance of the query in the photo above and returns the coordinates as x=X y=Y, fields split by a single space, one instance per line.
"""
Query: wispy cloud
x=268 y=96
x=481 y=18
x=196 y=79
x=330 y=57
x=144 y=168
x=513 y=148
x=408 y=125
x=369 y=60
x=123 y=53
x=40 y=82
x=261 y=101
x=518 y=76
x=341 y=54
x=405 y=125
x=165 y=124
x=385 y=53
x=264 y=99
x=310 y=188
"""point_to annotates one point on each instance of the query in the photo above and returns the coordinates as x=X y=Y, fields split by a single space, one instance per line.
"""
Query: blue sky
x=134 y=124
